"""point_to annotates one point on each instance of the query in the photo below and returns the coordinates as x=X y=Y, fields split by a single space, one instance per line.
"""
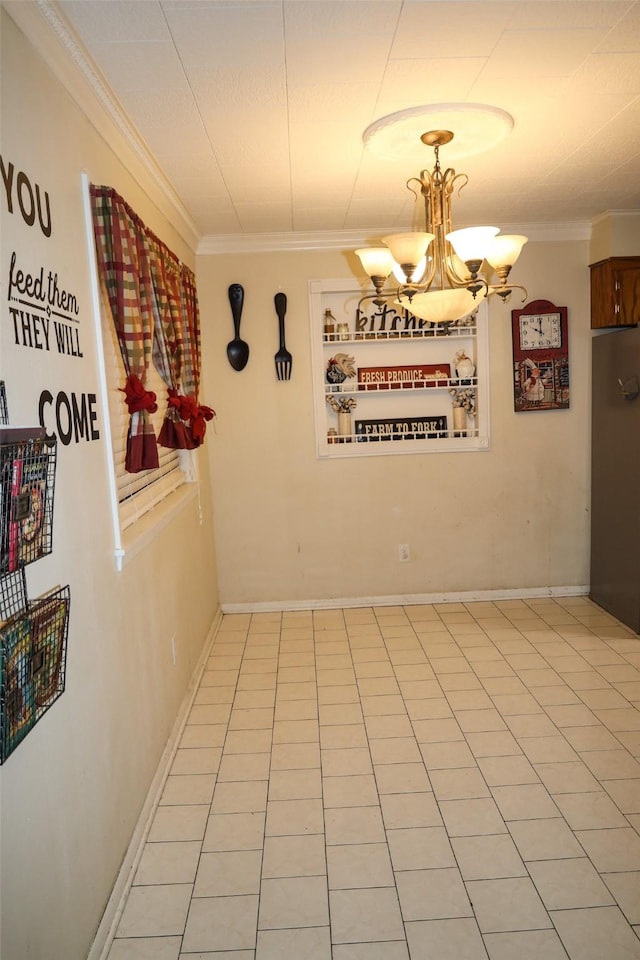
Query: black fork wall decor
x=283 y=359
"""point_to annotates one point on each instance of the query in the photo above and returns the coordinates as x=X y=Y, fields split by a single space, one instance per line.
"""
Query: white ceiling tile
x=124 y=21
x=140 y=66
x=227 y=34
x=625 y=35
x=445 y=29
x=560 y=14
x=415 y=82
x=549 y=53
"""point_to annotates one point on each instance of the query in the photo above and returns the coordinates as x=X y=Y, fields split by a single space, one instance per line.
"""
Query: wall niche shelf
x=396 y=373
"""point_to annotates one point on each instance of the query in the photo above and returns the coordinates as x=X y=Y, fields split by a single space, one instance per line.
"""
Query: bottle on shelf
x=329 y=325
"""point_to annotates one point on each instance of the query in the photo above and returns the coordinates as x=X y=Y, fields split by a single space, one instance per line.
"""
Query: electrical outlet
x=404 y=553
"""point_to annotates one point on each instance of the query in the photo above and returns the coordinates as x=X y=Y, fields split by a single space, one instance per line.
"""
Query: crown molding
x=350 y=239
x=50 y=34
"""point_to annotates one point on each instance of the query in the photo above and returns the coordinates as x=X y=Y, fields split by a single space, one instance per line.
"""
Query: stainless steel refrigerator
x=615 y=483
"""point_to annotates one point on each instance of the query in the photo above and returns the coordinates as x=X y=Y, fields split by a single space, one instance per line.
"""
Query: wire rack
x=34 y=648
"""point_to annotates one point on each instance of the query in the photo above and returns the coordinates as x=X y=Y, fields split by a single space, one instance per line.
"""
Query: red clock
x=540 y=357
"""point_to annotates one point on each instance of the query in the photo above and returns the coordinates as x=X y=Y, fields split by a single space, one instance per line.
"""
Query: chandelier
x=438 y=271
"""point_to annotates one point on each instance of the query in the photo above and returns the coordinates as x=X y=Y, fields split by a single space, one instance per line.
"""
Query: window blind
x=137 y=493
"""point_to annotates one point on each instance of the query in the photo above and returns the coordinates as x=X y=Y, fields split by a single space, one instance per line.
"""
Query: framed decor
x=540 y=357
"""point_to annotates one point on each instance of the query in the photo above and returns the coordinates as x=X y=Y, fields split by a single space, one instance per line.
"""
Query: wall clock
x=540 y=357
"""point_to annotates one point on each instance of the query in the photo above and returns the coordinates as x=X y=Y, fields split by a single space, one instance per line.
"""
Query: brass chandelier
x=438 y=271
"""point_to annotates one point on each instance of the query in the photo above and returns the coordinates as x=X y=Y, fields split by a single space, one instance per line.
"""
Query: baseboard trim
x=113 y=912
x=466 y=596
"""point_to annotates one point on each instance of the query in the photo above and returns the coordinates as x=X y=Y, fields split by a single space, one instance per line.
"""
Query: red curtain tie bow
x=188 y=410
x=136 y=397
x=198 y=424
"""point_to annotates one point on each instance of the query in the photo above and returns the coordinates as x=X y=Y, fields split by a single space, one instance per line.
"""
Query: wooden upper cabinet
x=615 y=292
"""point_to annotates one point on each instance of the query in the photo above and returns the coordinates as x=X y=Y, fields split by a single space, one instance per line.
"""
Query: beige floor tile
x=625 y=888
x=589 y=811
x=512 y=904
x=145 y=948
x=352 y=791
x=355 y=866
x=360 y=916
x=500 y=743
x=293 y=817
x=468 y=818
x=312 y=943
x=571 y=777
x=595 y=933
x=625 y=794
x=354 y=825
x=504 y=771
x=244 y=766
x=388 y=950
x=432 y=894
x=445 y=939
x=228 y=874
x=460 y=784
x=446 y=755
x=294 y=856
x=488 y=858
x=420 y=848
x=297 y=709
x=392 y=750
x=184 y=822
x=525 y=945
x=295 y=784
x=529 y=801
x=410 y=810
x=354 y=760
x=614 y=849
x=293 y=902
x=188 y=789
x=234 y=831
x=248 y=796
x=343 y=735
x=433 y=708
x=544 y=839
x=566 y=884
x=295 y=756
x=221 y=924
x=174 y=862
x=196 y=761
x=401 y=778
x=158 y=910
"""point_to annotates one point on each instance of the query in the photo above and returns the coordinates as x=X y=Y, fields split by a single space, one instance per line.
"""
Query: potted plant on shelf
x=343 y=407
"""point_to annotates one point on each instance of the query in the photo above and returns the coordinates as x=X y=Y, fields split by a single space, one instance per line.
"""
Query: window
x=148 y=339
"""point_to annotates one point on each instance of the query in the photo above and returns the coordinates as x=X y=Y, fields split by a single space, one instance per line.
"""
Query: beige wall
x=293 y=529
x=71 y=793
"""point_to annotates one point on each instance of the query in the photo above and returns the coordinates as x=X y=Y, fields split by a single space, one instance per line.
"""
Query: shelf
x=386 y=388
x=432 y=333
x=396 y=383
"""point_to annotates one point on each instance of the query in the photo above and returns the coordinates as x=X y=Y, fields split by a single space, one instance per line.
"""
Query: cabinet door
x=615 y=292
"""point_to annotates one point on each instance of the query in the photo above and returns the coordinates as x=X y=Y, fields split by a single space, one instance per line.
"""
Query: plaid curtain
x=125 y=270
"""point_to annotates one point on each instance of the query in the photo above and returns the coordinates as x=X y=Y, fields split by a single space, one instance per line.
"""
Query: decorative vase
x=459 y=422
x=465 y=367
x=344 y=425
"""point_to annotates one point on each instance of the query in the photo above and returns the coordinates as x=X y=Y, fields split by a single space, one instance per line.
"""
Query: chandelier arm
x=504 y=290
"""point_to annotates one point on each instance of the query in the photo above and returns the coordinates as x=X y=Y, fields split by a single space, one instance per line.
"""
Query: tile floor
x=447 y=781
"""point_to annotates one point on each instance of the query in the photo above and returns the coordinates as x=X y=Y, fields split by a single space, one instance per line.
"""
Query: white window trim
x=135 y=533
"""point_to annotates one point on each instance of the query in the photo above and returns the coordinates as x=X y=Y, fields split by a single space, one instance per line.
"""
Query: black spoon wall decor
x=237 y=349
